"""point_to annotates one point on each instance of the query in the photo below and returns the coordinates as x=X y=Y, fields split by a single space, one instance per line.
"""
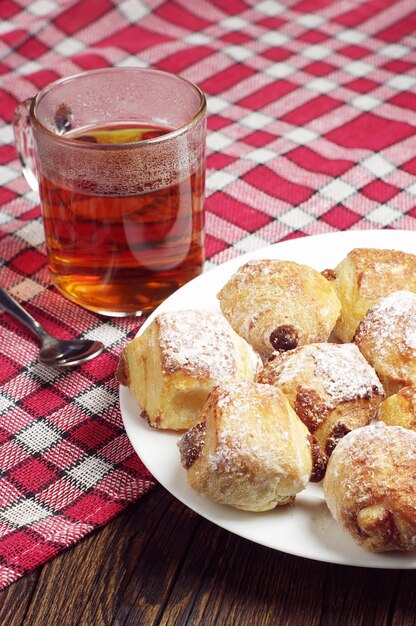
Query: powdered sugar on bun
x=200 y=343
x=279 y=305
x=382 y=320
x=256 y=453
x=387 y=338
x=341 y=369
x=174 y=364
x=331 y=387
x=370 y=486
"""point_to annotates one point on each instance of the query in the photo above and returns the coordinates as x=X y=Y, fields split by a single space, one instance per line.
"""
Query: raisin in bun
x=279 y=305
x=364 y=277
x=386 y=337
x=331 y=387
x=400 y=409
x=250 y=450
x=175 y=363
x=370 y=487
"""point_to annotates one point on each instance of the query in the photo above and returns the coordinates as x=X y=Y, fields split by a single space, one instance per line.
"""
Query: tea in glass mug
x=118 y=157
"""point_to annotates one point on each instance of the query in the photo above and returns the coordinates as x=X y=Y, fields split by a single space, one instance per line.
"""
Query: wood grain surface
x=160 y=563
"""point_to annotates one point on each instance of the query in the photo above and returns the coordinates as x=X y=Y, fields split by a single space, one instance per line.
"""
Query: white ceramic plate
x=305 y=529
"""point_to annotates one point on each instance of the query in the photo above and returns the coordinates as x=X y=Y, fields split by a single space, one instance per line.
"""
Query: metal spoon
x=53 y=352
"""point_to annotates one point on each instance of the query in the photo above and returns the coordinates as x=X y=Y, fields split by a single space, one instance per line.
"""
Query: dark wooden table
x=160 y=563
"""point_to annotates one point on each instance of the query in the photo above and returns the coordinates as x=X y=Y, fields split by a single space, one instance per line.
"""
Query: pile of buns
x=302 y=376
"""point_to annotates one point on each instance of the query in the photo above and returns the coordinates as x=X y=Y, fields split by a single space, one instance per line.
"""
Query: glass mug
x=118 y=158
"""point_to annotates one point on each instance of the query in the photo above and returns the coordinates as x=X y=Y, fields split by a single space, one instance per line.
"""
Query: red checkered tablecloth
x=312 y=119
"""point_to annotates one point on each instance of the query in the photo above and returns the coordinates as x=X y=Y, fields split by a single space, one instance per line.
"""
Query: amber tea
x=118 y=157
x=123 y=252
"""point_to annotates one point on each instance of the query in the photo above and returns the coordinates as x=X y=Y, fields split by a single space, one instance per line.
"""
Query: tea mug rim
x=127 y=145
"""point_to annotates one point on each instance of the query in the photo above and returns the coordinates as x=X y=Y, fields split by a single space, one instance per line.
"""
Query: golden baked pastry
x=387 y=338
x=370 y=487
x=175 y=363
x=400 y=409
x=364 y=277
x=331 y=387
x=250 y=450
x=279 y=305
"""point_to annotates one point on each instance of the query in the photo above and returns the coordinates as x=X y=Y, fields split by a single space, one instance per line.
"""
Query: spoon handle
x=10 y=305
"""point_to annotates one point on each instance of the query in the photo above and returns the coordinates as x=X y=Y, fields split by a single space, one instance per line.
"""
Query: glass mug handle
x=25 y=144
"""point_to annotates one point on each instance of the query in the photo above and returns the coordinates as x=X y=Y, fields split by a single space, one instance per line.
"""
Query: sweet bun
x=400 y=409
x=370 y=487
x=279 y=305
x=174 y=364
x=364 y=277
x=250 y=450
x=331 y=387
x=386 y=337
